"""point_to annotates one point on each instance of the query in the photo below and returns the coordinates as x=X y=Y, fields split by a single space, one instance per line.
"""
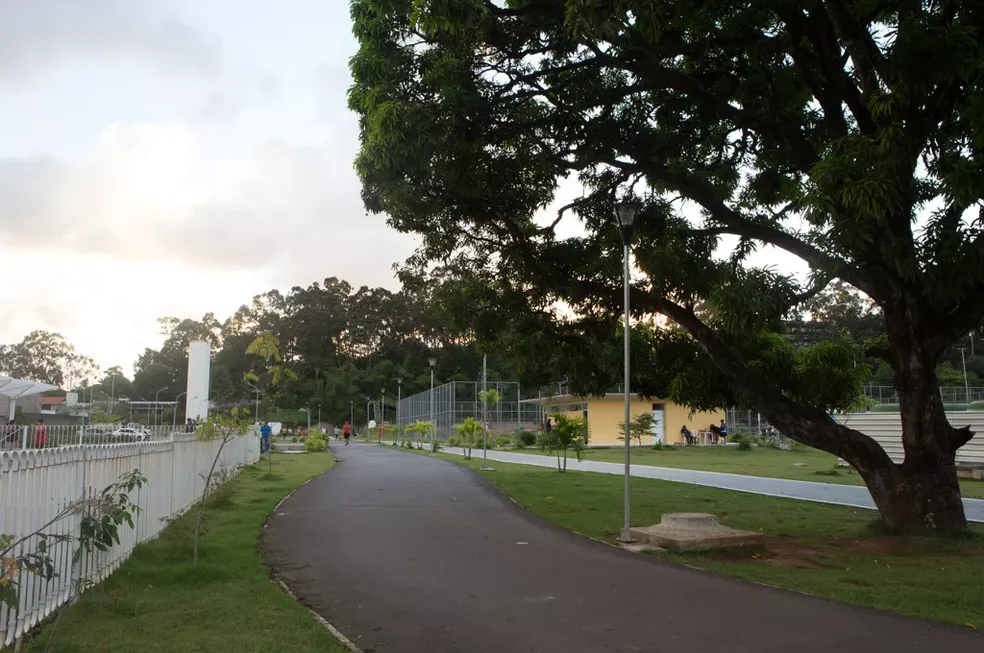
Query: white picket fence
x=28 y=436
x=886 y=429
x=35 y=485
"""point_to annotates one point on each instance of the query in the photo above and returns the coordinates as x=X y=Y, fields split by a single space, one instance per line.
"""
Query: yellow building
x=604 y=414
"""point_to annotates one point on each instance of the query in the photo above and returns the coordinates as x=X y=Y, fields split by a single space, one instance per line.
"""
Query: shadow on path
x=409 y=554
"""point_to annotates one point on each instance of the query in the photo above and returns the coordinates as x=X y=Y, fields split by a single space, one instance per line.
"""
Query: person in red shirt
x=346 y=433
x=40 y=435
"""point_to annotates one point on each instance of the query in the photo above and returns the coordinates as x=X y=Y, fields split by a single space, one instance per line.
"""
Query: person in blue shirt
x=724 y=431
x=265 y=431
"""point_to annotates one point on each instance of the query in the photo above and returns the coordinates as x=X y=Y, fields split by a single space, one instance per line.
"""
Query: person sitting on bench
x=688 y=437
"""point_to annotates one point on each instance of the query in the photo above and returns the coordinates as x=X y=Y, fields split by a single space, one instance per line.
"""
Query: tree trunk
x=919 y=495
x=922 y=493
x=565 y=459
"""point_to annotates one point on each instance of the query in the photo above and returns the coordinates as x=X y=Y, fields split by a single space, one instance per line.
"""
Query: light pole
x=308 y=411
x=382 y=411
x=485 y=414
x=368 y=404
x=399 y=395
x=963 y=358
x=174 y=416
x=156 y=400
x=352 y=415
x=256 y=409
x=625 y=213
x=433 y=362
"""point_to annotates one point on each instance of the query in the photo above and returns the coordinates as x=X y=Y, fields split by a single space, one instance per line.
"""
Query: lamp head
x=432 y=361
x=625 y=214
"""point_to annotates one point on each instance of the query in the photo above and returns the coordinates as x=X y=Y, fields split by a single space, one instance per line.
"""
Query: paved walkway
x=845 y=495
x=412 y=554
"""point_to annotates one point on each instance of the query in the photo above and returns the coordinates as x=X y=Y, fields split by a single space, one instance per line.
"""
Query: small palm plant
x=569 y=433
x=469 y=430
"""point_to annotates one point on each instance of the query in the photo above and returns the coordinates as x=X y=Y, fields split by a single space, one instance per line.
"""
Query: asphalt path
x=410 y=554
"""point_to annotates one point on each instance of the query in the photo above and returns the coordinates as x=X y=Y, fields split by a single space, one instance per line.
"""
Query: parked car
x=131 y=433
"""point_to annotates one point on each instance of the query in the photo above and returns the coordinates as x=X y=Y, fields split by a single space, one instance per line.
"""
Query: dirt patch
x=783 y=553
x=777 y=552
x=886 y=545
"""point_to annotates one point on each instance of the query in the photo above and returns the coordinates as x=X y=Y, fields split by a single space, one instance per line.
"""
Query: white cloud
x=37 y=34
x=126 y=235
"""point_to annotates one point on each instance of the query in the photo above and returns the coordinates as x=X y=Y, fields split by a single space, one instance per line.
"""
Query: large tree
x=47 y=357
x=847 y=133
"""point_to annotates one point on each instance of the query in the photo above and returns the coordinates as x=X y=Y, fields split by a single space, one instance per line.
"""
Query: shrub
x=502 y=441
x=454 y=441
x=294 y=439
x=435 y=446
x=524 y=439
x=313 y=444
x=407 y=444
x=744 y=443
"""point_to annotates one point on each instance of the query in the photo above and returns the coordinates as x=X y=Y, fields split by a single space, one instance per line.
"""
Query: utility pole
x=485 y=413
x=963 y=358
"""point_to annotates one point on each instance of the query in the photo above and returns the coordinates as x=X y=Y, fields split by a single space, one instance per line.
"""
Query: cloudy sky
x=172 y=157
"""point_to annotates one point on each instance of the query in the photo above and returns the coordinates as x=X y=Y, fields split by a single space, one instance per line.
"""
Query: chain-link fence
x=451 y=403
x=950 y=394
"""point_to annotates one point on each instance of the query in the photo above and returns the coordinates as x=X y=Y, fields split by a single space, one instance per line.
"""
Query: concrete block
x=694 y=531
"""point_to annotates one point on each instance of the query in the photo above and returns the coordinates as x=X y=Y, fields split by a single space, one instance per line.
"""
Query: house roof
x=52 y=401
x=16 y=388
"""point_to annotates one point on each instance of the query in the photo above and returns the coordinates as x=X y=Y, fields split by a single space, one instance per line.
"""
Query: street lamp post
x=368 y=405
x=433 y=362
x=156 y=403
x=963 y=358
x=485 y=414
x=256 y=409
x=174 y=417
x=308 y=411
x=382 y=411
x=625 y=213
x=399 y=395
x=352 y=415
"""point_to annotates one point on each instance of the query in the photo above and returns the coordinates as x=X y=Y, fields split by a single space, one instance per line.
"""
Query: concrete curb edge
x=336 y=633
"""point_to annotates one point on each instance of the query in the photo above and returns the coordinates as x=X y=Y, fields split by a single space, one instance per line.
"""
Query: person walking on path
x=346 y=431
x=337 y=433
x=40 y=435
x=265 y=432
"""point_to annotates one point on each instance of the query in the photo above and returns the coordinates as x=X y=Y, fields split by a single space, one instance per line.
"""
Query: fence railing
x=950 y=394
x=36 y=485
x=453 y=402
x=34 y=437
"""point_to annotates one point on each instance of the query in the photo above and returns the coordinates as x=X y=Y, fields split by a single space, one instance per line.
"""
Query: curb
x=336 y=633
x=346 y=642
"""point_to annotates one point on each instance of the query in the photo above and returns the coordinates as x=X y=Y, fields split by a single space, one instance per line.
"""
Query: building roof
x=16 y=388
x=52 y=401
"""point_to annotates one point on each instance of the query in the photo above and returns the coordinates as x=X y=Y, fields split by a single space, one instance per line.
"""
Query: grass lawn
x=817 y=466
x=829 y=551
x=157 y=602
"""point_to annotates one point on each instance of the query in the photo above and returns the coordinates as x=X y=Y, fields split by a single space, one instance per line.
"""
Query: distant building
x=50 y=405
x=605 y=413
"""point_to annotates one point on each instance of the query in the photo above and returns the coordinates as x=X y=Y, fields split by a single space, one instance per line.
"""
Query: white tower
x=199 y=369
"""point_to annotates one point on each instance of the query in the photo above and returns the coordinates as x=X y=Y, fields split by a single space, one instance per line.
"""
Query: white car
x=131 y=433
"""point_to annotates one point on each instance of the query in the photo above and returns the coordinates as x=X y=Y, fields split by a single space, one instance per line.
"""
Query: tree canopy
x=846 y=134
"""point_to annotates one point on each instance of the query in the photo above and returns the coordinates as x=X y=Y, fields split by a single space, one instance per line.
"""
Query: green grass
x=834 y=552
x=158 y=603
x=817 y=466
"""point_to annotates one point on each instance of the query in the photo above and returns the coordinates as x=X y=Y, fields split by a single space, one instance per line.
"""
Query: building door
x=659 y=424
